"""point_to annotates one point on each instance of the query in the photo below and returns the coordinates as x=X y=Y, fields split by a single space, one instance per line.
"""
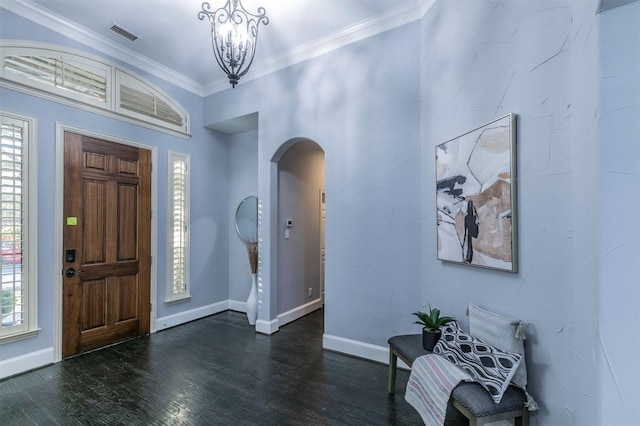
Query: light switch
x=286 y=232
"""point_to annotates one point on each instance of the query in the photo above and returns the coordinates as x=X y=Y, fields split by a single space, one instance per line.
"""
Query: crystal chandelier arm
x=218 y=52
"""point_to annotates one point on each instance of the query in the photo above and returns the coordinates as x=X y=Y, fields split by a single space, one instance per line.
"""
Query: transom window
x=61 y=74
x=85 y=81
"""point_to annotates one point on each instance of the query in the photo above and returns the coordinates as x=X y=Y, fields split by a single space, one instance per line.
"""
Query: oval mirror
x=247 y=219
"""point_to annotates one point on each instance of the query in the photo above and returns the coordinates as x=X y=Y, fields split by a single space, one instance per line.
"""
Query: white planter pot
x=252 y=300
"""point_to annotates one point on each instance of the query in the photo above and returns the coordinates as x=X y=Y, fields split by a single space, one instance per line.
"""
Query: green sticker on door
x=72 y=221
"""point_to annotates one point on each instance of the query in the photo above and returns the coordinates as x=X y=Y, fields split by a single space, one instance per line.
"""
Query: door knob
x=70 y=272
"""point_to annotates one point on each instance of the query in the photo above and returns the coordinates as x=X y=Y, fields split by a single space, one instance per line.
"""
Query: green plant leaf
x=432 y=320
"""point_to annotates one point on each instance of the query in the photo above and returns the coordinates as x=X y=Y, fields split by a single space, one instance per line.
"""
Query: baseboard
x=23 y=363
x=37 y=359
x=238 y=306
x=359 y=349
x=299 y=312
x=270 y=327
x=267 y=327
x=193 y=314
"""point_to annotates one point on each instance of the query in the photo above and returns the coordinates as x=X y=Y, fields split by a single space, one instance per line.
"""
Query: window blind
x=148 y=104
x=12 y=213
x=179 y=225
x=58 y=73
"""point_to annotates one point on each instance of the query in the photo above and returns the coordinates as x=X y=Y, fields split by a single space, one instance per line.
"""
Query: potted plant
x=431 y=323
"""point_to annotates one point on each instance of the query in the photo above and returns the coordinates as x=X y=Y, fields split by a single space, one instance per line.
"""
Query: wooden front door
x=107 y=243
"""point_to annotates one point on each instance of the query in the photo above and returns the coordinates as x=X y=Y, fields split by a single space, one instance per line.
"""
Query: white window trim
x=186 y=294
x=123 y=78
x=114 y=75
x=30 y=240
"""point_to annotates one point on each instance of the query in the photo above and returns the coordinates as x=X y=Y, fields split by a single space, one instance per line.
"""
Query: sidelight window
x=18 y=227
x=178 y=273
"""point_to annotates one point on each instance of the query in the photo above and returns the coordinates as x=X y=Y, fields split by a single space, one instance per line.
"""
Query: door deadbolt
x=70 y=272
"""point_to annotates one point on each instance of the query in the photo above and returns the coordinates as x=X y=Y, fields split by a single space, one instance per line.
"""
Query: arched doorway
x=299 y=213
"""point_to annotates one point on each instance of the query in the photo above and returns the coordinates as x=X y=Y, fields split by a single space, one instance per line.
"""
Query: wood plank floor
x=214 y=371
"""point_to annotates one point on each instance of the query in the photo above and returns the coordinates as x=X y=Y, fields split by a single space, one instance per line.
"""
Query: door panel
x=93 y=206
x=127 y=241
x=107 y=208
x=94 y=313
x=127 y=298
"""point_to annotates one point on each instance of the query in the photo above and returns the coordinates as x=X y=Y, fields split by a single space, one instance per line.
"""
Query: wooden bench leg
x=393 y=364
x=521 y=417
x=524 y=419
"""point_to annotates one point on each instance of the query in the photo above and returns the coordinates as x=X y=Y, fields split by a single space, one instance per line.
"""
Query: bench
x=468 y=398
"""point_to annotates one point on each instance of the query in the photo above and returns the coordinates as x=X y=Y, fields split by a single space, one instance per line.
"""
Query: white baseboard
x=37 y=359
x=20 y=364
x=193 y=314
x=238 y=306
x=270 y=327
x=359 y=349
x=267 y=327
x=299 y=312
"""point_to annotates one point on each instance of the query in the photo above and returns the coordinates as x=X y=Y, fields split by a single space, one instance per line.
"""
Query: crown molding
x=400 y=15
x=424 y=6
x=102 y=44
x=395 y=17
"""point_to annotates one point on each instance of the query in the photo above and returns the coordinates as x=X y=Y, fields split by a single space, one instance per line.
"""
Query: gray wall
x=243 y=182
x=482 y=60
x=618 y=296
x=378 y=124
x=372 y=175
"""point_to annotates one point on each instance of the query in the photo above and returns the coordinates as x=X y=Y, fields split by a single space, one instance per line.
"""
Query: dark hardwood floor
x=214 y=371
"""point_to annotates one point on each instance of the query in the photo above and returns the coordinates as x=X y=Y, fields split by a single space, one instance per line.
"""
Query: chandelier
x=234 y=33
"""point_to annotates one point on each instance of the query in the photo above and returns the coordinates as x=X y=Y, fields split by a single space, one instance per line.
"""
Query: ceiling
x=610 y=4
x=174 y=44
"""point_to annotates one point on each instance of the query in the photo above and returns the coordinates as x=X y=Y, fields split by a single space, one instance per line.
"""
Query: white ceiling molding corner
x=425 y=5
x=237 y=125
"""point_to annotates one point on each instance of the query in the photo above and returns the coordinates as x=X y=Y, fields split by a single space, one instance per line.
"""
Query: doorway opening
x=300 y=230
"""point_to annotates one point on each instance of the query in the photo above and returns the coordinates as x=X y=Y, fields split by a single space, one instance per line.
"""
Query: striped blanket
x=430 y=385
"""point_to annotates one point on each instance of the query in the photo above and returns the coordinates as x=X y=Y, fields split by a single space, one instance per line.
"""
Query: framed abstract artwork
x=476 y=197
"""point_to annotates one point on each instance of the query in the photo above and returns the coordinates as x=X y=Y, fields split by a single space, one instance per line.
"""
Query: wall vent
x=122 y=32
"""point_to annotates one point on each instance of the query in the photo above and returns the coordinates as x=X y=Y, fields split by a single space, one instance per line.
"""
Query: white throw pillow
x=502 y=332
